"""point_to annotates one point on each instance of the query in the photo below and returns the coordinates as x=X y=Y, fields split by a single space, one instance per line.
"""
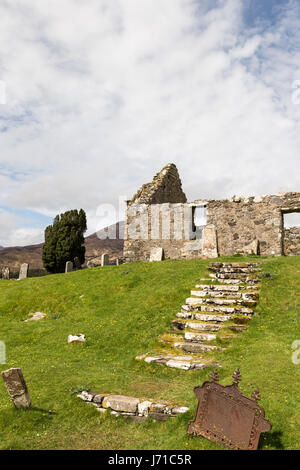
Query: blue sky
x=257 y=11
x=100 y=95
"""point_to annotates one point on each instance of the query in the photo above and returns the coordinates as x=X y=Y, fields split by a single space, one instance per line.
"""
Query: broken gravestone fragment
x=76 y=338
x=36 y=316
x=156 y=254
x=16 y=387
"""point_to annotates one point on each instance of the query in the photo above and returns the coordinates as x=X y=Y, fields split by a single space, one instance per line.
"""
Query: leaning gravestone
x=16 y=387
x=23 y=271
x=104 y=259
x=157 y=254
x=5 y=273
x=69 y=267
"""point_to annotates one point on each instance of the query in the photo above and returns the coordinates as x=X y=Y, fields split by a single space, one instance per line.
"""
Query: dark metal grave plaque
x=226 y=416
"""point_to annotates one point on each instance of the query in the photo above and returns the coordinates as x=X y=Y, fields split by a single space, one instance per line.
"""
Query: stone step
x=219 y=288
x=182 y=362
x=196 y=325
x=203 y=317
x=237 y=276
x=196 y=347
x=222 y=301
x=235 y=265
x=199 y=337
x=235 y=270
x=196 y=304
x=246 y=295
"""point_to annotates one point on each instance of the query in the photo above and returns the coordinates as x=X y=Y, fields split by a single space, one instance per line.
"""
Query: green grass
x=123 y=312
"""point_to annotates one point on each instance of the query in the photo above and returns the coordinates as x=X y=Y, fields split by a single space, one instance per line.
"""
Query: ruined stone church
x=159 y=217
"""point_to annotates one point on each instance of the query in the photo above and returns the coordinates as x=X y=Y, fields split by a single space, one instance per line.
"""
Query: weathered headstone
x=209 y=242
x=5 y=273
x=23 y=271
x=157 y=254
x=104 y=259
x=90 y=264
x=69 y=267
x=77 y=263
x=16 y=387
x=117 y=262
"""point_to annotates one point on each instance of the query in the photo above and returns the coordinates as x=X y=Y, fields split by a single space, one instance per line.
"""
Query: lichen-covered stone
x=16 y=387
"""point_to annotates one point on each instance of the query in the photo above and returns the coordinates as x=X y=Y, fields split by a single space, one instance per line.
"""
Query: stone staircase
x=219 y=307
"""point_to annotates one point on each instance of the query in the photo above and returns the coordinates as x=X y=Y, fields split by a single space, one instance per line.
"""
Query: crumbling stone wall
x=232 y=224
x=292 y=241
x=157 y=218
x=239 y=221
x=165 y=187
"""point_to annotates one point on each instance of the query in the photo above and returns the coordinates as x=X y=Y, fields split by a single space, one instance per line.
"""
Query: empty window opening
x=292 y=220
x=199 y=221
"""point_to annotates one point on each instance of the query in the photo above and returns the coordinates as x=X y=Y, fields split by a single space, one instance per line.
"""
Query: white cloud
x=102 y=94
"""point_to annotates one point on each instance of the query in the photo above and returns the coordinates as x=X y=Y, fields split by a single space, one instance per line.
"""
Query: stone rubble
x=80 y=338
x=132 y=407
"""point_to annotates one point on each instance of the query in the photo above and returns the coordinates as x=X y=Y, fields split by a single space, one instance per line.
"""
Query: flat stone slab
x=36 y=316
x=157 y=254
x=121 y=403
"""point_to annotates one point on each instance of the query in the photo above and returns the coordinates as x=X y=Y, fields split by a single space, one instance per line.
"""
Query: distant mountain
x=95 y=247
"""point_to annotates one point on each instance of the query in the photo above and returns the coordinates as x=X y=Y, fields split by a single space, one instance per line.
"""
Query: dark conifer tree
x=64 y=241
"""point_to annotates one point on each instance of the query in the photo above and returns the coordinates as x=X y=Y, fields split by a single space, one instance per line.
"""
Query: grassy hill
x=122 y=312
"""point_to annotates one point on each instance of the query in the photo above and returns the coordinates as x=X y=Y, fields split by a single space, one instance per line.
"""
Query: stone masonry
x=292 y=241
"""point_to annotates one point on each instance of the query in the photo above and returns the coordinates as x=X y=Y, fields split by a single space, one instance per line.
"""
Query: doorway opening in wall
x=291 y=233
x=198 y=221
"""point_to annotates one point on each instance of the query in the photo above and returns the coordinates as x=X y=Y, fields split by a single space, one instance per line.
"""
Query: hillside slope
x=32 y=254
x=122 y=312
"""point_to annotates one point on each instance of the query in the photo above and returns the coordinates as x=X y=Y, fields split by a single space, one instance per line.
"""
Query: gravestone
x=226 y=416
x=69 y=267
x=104 y=259
x=23 y=271
x=157 y=254
x=117 y=262
x=16 y=387
x=77 y=263
x=90 y=264
x=5 y=273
